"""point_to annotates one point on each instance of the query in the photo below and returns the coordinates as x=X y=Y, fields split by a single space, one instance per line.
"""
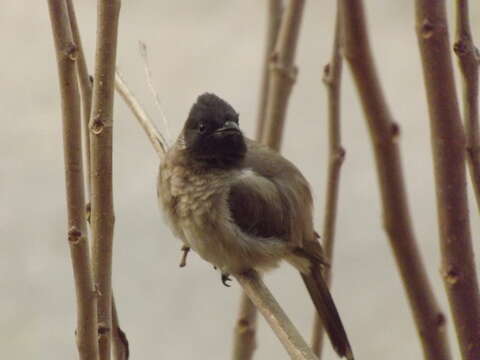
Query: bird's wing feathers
x=271 y=198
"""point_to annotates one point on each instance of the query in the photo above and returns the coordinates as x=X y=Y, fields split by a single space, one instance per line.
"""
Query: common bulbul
x=242 y=206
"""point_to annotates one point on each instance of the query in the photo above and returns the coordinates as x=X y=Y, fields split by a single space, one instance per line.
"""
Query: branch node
x=103 y=329
x=97 y=126
x=74 y=235
x=427 y=30
x=451 y=275
x=71 y=51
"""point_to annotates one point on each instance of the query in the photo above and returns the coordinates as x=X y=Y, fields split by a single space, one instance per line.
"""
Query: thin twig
x=66 y=52
x=448 y=144
x=264 y=301
x=85 y=87
x=283 y=74
x=336 y=154
x=101 y=126
x=384 y=133
x=274 y=16
x=156 y=138
x=469 y=60
x=148 y=75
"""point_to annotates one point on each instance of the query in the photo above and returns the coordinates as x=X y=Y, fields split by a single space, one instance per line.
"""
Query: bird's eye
x=202 y=127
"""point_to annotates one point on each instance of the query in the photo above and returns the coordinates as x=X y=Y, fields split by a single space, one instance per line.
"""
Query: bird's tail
x=328 y=312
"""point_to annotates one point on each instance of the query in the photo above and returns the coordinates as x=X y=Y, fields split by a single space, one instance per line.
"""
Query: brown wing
x=273 y=199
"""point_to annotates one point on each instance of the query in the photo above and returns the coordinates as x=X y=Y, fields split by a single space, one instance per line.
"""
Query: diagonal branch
x=101 y=126
x=384 y=132
x=265 y=302
x=469 y=60
x=66 y=52
x=448 y=145
x=336 y=153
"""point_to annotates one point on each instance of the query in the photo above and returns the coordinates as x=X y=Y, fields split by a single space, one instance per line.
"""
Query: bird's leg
x=225 y=279
x=183 y=260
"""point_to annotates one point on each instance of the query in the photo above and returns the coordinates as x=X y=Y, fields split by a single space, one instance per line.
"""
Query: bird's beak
x=229 y=127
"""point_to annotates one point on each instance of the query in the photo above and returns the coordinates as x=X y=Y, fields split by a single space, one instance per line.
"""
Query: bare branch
x=156 y=138
x=283 y=74
x=469 y=60
x=245 y=329
x=336 y=154
x=448 y=143
x=85 y=86
x=244 y=342
x=67 y=53
x=384 y=132
x=148 y=75
x=101 y=126
x=275 y=9
x=276 y=318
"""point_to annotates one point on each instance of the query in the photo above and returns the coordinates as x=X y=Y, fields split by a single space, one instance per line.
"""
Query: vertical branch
x=101 y=126
x=264 y=301
x=275 y=9
x=384 y=132
x=283 y=74
x=85 y=85
x=244 y=343
x=469 y=59
x=448 y=145
x=66 y=52
x=336 y=153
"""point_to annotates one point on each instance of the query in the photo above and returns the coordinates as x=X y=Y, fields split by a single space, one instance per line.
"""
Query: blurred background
x=197 y=46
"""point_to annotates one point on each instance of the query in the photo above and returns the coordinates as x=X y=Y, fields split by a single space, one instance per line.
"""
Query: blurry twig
x=274 y=17
x=156 y=138
x=448 y=144
x=283 y=74
x=101 y=128
x=336 y=154
x=245 y=329
x=148 y=75
x=469 y=60
x=66 y=52
x=384 y=133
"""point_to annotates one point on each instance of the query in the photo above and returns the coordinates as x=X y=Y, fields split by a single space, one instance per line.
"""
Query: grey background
x=197 y=46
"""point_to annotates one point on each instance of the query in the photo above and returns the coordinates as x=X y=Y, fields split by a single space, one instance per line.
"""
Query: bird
x=241 y=206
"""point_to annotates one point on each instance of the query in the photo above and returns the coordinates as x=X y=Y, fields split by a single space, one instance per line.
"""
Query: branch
x=336 y=154
x=244 y=336
x=156 y=139
x=384 y=132
x=275 y=9
x=66 y=52
x=469 y=59
x=85 y=85
x=448 y=144
x=101 y=126
x=276 y=318
x=283 y=74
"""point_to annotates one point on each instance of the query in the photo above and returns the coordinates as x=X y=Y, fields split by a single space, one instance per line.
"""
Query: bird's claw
x=225 y=279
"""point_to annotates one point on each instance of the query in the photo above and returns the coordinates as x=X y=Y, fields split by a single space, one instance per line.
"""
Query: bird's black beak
x=229 y=127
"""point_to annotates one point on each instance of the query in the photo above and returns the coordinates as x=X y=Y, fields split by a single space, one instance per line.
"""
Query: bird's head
x=212 y=134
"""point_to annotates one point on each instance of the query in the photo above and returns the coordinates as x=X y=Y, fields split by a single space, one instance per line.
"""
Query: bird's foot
x=183 y=260
x=225 y=279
